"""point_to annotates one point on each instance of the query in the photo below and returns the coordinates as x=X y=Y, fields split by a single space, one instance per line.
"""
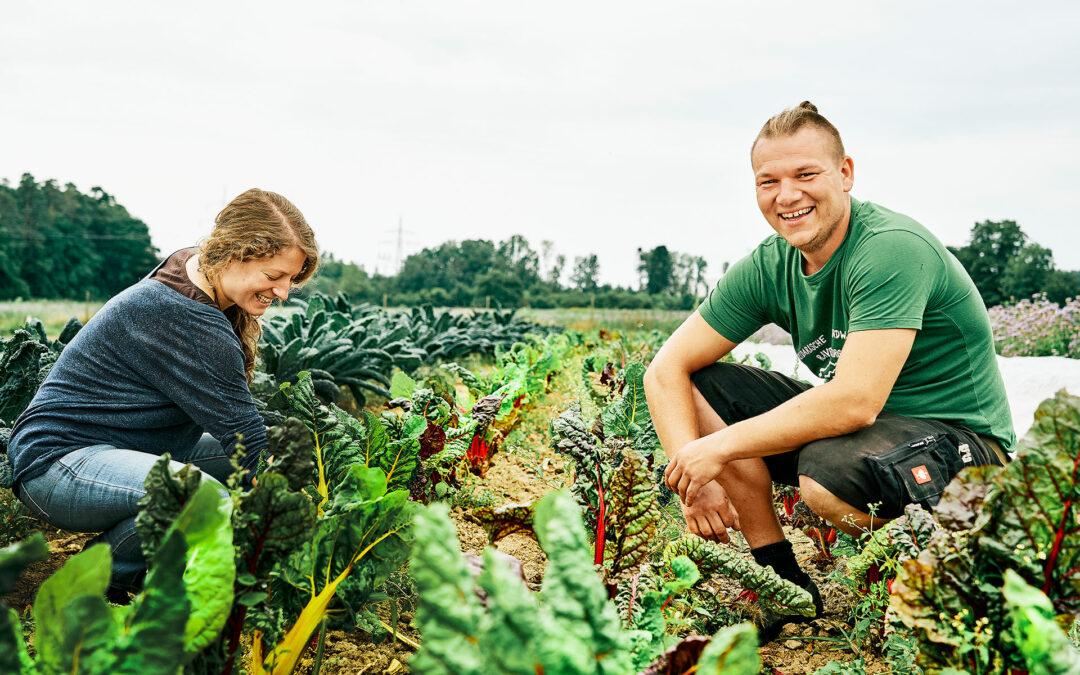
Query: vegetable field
x=481 y=494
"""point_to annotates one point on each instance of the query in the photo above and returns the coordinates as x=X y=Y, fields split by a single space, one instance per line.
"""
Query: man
x=876 y=307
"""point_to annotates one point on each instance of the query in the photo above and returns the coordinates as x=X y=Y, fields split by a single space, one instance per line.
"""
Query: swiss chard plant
x=181 y=610
x=614 y=474
x=1021 y=517
x=570 y=626
x=323 y=526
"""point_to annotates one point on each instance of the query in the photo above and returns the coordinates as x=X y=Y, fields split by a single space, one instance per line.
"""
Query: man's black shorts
x=894 y=462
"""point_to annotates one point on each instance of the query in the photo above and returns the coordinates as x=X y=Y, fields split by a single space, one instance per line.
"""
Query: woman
x=163 y=367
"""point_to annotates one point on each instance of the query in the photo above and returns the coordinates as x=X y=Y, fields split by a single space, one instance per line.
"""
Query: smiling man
x=879 y=309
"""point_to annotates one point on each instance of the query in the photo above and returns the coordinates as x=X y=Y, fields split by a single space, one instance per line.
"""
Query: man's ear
x=847 y=171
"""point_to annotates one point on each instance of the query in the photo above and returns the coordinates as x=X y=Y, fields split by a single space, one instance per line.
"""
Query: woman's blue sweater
x=152 y=371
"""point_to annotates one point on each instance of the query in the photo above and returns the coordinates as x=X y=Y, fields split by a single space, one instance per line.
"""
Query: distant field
x=55 y=313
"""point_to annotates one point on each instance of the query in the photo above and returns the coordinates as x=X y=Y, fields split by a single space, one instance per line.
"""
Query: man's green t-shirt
x=889 y=272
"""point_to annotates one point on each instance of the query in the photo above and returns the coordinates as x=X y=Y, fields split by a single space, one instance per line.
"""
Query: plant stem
x=319 y=648
x=408 y=641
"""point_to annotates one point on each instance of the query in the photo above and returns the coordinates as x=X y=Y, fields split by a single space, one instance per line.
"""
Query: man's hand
x=692 y=468
x=712 y=514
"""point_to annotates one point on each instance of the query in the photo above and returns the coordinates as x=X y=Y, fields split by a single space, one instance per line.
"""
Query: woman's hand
x=694 y=466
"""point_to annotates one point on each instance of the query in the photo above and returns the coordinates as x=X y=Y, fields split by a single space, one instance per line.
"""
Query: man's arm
x=694 y=345
x=866 y=371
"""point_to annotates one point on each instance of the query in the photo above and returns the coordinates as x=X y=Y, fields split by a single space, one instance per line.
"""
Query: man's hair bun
x=791 y=120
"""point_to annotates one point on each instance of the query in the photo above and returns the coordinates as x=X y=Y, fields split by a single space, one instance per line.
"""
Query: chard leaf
x=1045 y=647
x=591 y=466
x=1034 y=527
x=775 y=592
x=575 y=607
x=271 y=522
x=153 y=636
x=511 y=629
x=502 y=521
x=448 y=613
x=13 y=655
x=166 y=494
x=732 y=651
x=358 y=542
x=292 y=450
x=210 y=569
x=628 y=417
x=633 y=515
x=901 y=539
x=17 y=557
x=72 y=619
x=401 y=385
x=649 y=620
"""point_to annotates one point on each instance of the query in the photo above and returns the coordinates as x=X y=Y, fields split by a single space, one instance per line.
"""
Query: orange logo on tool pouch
x=922 y=475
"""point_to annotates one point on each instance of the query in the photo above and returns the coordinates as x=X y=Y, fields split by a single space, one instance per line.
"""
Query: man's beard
x=820 y=239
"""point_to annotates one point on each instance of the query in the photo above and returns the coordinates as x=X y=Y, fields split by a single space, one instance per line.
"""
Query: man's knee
x=747 y=474
x=827 y=505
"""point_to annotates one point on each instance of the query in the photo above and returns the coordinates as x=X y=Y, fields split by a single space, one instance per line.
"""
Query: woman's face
x=255 y=284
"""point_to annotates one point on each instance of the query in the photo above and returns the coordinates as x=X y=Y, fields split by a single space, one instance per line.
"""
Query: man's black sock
x=781 y=557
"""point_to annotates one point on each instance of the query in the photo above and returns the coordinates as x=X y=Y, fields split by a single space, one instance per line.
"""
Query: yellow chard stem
x=322 y=487
x=285 y=655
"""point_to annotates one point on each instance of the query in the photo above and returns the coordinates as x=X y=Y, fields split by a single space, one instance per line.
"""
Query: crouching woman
x=163 y=367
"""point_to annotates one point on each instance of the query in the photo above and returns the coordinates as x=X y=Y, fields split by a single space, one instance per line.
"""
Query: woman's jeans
x=97 y=489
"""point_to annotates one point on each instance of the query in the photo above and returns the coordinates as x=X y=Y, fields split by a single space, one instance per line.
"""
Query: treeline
x=60 y=243
x=1007 y=267
x=512 y=273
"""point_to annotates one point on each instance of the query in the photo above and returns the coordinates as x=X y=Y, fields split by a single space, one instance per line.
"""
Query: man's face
x=802 y=188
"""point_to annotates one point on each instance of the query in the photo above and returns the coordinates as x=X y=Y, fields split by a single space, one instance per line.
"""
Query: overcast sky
x=600 y=126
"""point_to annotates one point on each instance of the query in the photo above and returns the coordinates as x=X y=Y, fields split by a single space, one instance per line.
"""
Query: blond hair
x=256 y=224
x=791 y=120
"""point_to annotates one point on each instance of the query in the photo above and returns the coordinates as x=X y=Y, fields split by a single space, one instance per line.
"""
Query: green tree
x=501 y=285
x=656 y=268
x=1062 y=285
x=60 y=243
x=988 y=252
x=1027 y=272
x=585 y=274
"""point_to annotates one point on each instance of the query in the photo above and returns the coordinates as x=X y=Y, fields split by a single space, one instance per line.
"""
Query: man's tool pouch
x=918 y=471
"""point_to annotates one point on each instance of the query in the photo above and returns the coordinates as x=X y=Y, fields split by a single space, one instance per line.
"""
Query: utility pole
x=400 y=239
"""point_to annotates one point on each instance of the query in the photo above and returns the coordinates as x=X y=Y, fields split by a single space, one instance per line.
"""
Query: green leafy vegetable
x=1042 y=643
x=774 y=592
